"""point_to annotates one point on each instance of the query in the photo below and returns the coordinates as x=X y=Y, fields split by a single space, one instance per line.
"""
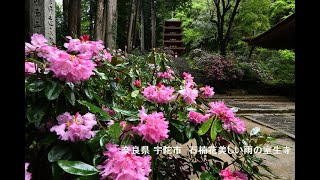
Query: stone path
x=181 y=66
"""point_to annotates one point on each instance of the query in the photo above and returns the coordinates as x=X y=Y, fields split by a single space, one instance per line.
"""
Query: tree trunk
x=153 y=25
x=111 y=25
x=98 y=28
x=104 y=25
x=142 y=27
x=135 y=23
x=65 y=15
x=92 y=17
x=74 y=18
x=132 y=15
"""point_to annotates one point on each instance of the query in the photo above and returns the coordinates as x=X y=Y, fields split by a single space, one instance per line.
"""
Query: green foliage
x=77 y=168
x=112 y=87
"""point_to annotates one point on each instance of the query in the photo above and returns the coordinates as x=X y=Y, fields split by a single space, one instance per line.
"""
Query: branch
x=234 y=12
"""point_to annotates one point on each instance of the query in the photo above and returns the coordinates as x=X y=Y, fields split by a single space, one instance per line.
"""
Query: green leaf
x=135 y=93
x=206 y=176
x=71 y=97
x=100 y=74
x=215 y=129
x=71 y=85
x=178 y=124
x=213 y=134
x=77 y=168
x=177 y=134
x=52 y=91
x=205 y=127
x=36 y=113
x=125 y=112
x=36 y=86
x=105 y=140
x=94 y=142
x=182 y=116
x=115 y=131
x=57 y=152
x=89 y=93
x=95 y=109
x=190 y=129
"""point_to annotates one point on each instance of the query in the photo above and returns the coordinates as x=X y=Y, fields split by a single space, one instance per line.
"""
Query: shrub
x=92 y=113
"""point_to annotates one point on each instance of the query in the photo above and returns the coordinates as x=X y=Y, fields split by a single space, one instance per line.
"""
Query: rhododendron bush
x=97 y=113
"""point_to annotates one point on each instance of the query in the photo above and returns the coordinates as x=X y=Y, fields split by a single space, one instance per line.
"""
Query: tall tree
x=91 y=17
x=111 y=25
x=141 y=26
x=98 y=28
x=131 y=25
x=153 y=24
x=65 y=5
x=224 y=24
x=74 y=17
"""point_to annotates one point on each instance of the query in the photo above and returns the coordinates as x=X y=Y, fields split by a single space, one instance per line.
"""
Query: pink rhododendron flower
x=152 y=127
x=189 y=95
x=240 y=175
x=124 y=166
x=159 y=93
x=137 y=83
x=237 y=125
x=111 y=122
x=125 y=126
x=236 y=175
x=28 y=48
x=222 y=111
x=105 y=55
x=187 y=77
x=198 y=117
x=83 y=45
x=166 y=75
x=71 y=68
x=37 y=41
x=30 y=67
x=75 y=127
x=207 y=91
x=109 y=111
x=27 y=175
x=46 y=51
x=227 y=175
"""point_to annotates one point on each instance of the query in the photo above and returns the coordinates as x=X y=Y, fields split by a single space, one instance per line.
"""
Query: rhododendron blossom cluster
x=159 y=93
x=236 y=175
x=227 y=116
x=71 y=68
x=166 y=75
x=65 y=66
x=152 y=127
x=30 y=67
x=198 y=117
x=137 y=83
x=75 y=127
x=124 y=166
x=207 y=91
x=83 y=45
